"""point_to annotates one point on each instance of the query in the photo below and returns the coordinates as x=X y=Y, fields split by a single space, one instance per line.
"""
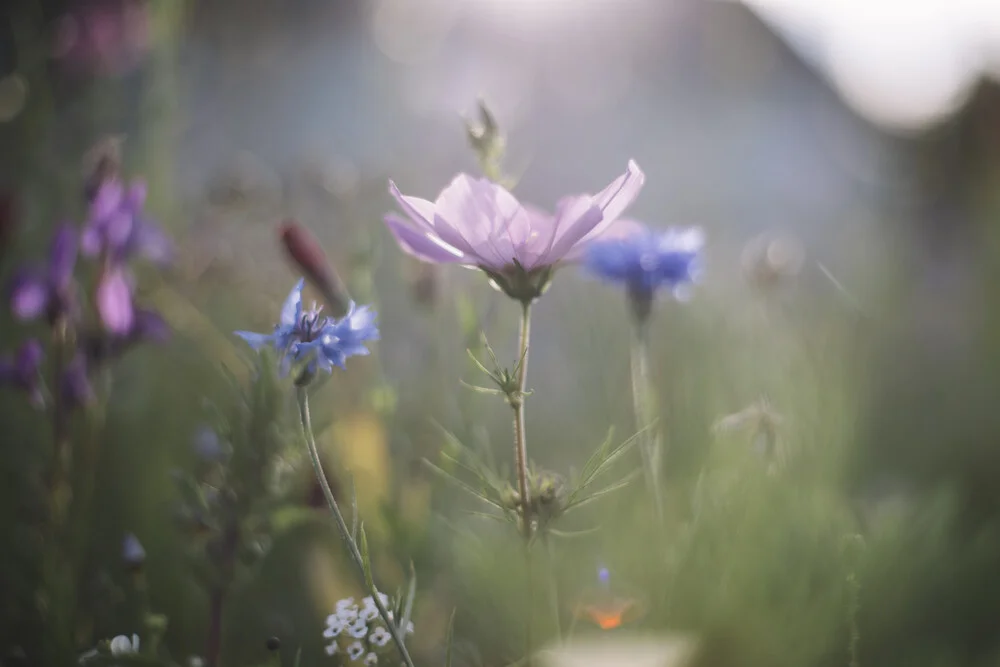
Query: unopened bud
x=305 y=252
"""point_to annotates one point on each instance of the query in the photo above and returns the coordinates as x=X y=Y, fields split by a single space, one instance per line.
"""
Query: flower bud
x=305 y=252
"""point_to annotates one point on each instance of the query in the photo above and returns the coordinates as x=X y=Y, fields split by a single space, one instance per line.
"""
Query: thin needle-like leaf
x=462 y=485
x=411 y=593
x=366 y=561
x=611 y=488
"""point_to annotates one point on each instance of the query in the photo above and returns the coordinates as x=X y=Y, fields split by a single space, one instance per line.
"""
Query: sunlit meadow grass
x=749 y=545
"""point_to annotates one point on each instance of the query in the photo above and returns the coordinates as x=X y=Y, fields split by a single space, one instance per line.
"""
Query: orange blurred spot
x=610 y=616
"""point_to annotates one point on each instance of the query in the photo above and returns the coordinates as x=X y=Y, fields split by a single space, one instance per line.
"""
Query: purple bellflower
x=51 y=291
x=476 y=222
x=305 y=335
x=644 y=260
x=24 y=371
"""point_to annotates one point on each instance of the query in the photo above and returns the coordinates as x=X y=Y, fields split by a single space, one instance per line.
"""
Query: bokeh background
x=865 y=135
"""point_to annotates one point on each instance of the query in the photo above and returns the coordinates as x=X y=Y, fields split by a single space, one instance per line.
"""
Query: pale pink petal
x=575 y=218
x=614 y=199
x=421 y=244
x=472 y=215
x=419 y=210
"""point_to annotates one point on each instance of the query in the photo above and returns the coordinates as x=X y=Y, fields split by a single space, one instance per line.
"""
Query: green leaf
x=462 y=485
x=354 y=510
x=611 y=488
x=481 y=390
x=572 y=534
x=598 y=455
x=411 y=594
x=450 y=639
x=366 y=560
x=481 y=367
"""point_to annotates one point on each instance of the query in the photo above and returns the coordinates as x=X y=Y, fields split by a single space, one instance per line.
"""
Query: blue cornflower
x=306 y=335
x=646 y=260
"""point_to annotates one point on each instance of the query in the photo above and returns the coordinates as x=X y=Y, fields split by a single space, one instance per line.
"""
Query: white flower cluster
x=361 y=629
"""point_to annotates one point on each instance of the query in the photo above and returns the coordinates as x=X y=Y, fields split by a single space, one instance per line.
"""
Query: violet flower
x=475 y=222
x=117 y=227
x=114 y=301
x=24 y=371
x=49 y=291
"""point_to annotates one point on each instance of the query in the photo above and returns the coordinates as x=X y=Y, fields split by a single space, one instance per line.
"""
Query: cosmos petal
x=421 y=244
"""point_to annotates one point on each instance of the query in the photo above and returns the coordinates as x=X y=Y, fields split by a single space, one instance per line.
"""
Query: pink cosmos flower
x=475 y=222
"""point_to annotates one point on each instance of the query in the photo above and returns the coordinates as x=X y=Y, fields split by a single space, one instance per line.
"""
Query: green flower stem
x=345 y=532
x=58 y=594
x=645 y=404
x=853 y=610
x=550 y=553
x=520 y=441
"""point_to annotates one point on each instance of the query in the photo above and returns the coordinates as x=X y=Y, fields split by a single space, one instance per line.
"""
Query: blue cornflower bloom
x=306 y=335
x=646 y=260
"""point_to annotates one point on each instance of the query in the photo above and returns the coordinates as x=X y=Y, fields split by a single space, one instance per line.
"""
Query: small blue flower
x=646 y=260
x=326 y=342
x=346 y=337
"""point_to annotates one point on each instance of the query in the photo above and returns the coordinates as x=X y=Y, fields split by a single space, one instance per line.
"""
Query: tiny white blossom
x=368 y=614
x=380 y=637
x=92 y=653
x=355 y=650
x=121 y=645
x=196 y=661
x=371 y=659
x=409 y=628
x=358 y=629
x=346 y=603
x=348 y=615
x=332 y=648
x=370 y=602
x=334 y=629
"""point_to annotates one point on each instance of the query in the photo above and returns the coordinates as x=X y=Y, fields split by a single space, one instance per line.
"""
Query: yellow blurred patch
x=361 y=445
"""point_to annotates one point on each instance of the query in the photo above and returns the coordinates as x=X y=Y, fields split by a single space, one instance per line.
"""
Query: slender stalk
x=553 y=587
x=59 y=583
x=521 y=463
x=216 y=606
x=853 y=609
x=644 y=402
x=520 y=441
x=345 y=532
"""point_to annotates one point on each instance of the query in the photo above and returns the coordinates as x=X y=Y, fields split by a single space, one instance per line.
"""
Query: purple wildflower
x=114 y=301
x=24 y=371
x=117 y=227
x=475 y=222
x=49 y=291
